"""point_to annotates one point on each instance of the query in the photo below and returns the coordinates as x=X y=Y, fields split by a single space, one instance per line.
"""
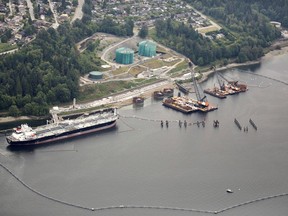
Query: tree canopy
x=47 y=71
x=275 y=10
x=247 y=32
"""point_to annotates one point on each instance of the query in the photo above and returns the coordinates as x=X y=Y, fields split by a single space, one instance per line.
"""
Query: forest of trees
x=275 y=10
x=246 y=32
x=40 y=74
x=46 y=71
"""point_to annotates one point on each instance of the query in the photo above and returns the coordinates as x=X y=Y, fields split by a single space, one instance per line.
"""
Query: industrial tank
x=147 y=48
x=95 y=75
x=124 y=55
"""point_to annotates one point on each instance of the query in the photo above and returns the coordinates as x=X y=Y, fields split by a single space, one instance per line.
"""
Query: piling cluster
x=184 y=123
x=245 y=129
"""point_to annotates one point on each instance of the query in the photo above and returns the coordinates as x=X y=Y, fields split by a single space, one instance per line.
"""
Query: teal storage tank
x=124 y=55
x=147 y=48
x=95 y=75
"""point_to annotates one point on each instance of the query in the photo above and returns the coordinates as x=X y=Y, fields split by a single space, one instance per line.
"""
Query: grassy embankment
x=4 y=47
x=107 y=88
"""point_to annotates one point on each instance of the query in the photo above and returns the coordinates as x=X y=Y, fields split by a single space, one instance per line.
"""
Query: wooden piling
x=253 y=124
x=238 y=124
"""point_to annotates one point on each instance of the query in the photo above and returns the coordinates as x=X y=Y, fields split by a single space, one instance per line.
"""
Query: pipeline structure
x=267 y=77
x=166 y=122
x=197 y=123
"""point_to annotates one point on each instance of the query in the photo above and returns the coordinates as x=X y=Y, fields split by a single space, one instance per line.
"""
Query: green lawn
x=6 y=47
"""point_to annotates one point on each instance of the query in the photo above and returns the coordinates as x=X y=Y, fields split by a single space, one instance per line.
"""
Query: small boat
x=168 y=92
x=158 y=95
x=229 y=190
x=138 y=101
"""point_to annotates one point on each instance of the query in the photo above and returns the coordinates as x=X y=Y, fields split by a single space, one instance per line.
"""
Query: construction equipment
x=201 y=97
x=221 y=84
x=234 y=85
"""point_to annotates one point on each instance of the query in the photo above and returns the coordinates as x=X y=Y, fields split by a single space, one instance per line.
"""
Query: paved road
x=31 y=11
x=10 y=51
x=212 y=23
x=78 y=12
x=116 y=99
x=107 y=50
x=10 y=8
x=55 y=24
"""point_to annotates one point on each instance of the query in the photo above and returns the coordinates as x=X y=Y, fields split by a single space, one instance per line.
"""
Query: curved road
x=104 y=55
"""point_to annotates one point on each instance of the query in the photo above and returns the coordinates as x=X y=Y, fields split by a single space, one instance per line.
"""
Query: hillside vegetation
x=245 y=29
x=46 y=71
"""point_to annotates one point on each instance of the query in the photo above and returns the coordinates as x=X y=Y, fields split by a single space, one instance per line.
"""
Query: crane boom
x=234 y=85
x=222 y=85
x=199 y=92
x=219 y=74
x=232 y=82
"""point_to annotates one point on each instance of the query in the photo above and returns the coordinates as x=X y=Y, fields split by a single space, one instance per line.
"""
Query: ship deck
x=65 y=126
x=187 y=105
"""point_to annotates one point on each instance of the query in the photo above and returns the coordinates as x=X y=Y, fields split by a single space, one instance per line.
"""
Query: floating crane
x=234 y=85
x=221 y=84
x=201 y=97
x=217 y=92
x=189 y=105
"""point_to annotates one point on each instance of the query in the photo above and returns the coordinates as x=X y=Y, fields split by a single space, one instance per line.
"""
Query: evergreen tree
x=143 y=33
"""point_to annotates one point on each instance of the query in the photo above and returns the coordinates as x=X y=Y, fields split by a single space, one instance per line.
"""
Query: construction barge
x=188 y=105
x=224 y=89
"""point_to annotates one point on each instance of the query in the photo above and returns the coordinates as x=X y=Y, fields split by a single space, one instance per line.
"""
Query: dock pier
x=55 y=117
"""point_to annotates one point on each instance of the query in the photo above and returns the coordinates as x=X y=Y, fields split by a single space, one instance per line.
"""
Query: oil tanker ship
x=59 y=130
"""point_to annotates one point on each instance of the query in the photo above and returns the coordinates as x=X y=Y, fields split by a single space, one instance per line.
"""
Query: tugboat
x=138 y=101
x=158 y=95
x=168 y=92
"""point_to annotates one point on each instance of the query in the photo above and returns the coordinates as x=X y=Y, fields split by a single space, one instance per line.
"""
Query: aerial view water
x=140 y=168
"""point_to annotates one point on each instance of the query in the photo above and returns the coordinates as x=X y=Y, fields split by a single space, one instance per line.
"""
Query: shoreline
x=148 y=93
x=8 y=119
x=229 y=66
x=272 y=53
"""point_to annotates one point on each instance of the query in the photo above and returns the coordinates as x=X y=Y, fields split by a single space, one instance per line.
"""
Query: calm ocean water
x=141 y=164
